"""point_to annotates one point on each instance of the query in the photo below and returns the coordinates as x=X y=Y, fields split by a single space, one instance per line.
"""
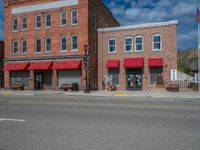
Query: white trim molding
x=44 y=6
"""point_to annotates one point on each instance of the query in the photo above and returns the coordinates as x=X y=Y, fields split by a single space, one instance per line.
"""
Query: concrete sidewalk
x=105 y=93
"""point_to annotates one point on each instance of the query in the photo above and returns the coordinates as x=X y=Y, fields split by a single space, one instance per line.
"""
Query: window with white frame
x=74 y=42
x=112 y=45
x=47 y=44
x=38 y=23
x=24 y=23
x=14 y=47
x=173 y=74
x=63 y=43
x=157 y=42
x=128 y=44
x=63 y=18
x=48 y=20
x=74 y=17
x=24 y=46
x=139 y=43
x=38 y=45
x=15 y=24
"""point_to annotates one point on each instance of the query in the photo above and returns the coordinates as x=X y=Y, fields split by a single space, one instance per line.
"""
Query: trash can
x=75 y=87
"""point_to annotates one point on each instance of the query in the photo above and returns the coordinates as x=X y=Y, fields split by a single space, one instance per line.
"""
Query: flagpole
x=198 y=57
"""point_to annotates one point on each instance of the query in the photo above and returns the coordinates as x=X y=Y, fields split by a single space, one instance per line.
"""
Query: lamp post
x=87 y=89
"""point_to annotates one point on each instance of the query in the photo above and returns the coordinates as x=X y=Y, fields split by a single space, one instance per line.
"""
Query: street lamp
x=87 y=89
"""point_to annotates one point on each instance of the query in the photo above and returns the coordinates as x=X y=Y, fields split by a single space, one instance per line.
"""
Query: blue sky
x=129 y=12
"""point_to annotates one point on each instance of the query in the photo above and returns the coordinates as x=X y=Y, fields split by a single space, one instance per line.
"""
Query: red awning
x=112 y=64
x=67 y=64
x=155 y=62
x=43 y=65
x=134 y=62
x=16 y=66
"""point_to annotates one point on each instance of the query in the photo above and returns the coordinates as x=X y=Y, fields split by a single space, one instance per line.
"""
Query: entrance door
x=134 y=79
x=38 y=81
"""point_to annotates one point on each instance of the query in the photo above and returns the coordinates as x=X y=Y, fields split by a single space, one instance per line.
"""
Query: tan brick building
x=138 y=57
x=44 y=41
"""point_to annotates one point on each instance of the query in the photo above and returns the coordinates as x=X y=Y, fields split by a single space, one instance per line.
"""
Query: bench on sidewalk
x=17 y=86
x=173 y=88
x=66 y=87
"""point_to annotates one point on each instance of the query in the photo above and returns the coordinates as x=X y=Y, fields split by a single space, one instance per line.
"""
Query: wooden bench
x=173 y=88
x=66 y=87
x=17 y=86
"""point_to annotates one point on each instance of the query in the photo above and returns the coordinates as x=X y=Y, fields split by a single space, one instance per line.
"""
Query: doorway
x=38 y=81
x=134 y=79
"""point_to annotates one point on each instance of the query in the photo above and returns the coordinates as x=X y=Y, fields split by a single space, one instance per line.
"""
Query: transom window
x=15 y=26
x=138 y=43
x=14 y=47
x=48 y=20
x=24 y=46
x=38 y=23
x=74 y=42
x=128 y=44
x=74 y=16
x=38 y=45
x=47 y=44
x=24 y=23
x=63 y=18
x=112 y=45
x=63 y=43
x=157 y=42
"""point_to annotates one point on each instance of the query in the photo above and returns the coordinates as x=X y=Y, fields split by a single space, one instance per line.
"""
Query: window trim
x=45 y=45
x=74 y=24
x=13 y=47
x=112 y=38
x=157 y=34
x=23 y=23
x=94 y=22
x=135 y=50
x=36 y=46
x=74 y=50
x=46 y=20
x=61 y=25
x=13 y=24
x=36 y=21
x=22 y=46
x=62 y=43
x=125 y=44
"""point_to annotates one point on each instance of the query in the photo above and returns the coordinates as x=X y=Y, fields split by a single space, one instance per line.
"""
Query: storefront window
x=19 y=77
x=156 y=75
x=114 y=73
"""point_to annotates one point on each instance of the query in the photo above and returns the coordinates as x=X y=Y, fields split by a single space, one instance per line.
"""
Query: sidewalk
x=105 y=93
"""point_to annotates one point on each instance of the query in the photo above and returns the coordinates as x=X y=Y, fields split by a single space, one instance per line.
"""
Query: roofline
x=147 y=25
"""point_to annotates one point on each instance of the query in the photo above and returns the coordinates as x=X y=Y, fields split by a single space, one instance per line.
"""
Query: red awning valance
x=16 y=66
x=155 y=62
x=134 y=62
x=45 y=65
x=67 y=64
x=112 y=64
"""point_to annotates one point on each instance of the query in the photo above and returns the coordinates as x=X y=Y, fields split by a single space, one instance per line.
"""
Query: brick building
x=44 y=41
x=1 y=62
x=138 y=57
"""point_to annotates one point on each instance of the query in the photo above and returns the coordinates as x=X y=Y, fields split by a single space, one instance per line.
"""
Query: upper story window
x=24 y=46
x=15 y=25
x=128 y=44
x=94 y=21
x=14 y=47
x=24 y=23
x=74 y=42
x=74 y=17
x=38 y=23
x=157 y=42
x=112 y=45
x=47 y=44
x=63 y=43
x=95 y=45
x=138 y=43
x=48 y=20
x=63 y=18
x=38 y=45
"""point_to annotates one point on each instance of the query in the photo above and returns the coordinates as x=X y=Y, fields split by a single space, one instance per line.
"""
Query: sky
x=131 y=12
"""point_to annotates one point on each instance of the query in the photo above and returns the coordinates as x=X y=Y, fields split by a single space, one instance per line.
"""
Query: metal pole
x=199 y=57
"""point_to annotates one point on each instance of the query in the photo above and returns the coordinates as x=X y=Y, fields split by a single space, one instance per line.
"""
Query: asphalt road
x=59 y=122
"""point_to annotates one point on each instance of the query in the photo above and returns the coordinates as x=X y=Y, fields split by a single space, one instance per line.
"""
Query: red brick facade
x=168 y=53
x=85 y=31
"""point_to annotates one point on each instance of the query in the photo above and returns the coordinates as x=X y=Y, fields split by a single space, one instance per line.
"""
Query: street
x=60 y=122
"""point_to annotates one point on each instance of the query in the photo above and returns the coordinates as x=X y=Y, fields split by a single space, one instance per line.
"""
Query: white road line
x=17 y=120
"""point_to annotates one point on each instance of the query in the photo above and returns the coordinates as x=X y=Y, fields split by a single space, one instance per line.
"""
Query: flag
x=198 y=15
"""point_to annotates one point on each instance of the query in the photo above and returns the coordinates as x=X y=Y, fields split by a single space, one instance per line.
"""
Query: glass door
x=38 y=81
x=134 y=79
